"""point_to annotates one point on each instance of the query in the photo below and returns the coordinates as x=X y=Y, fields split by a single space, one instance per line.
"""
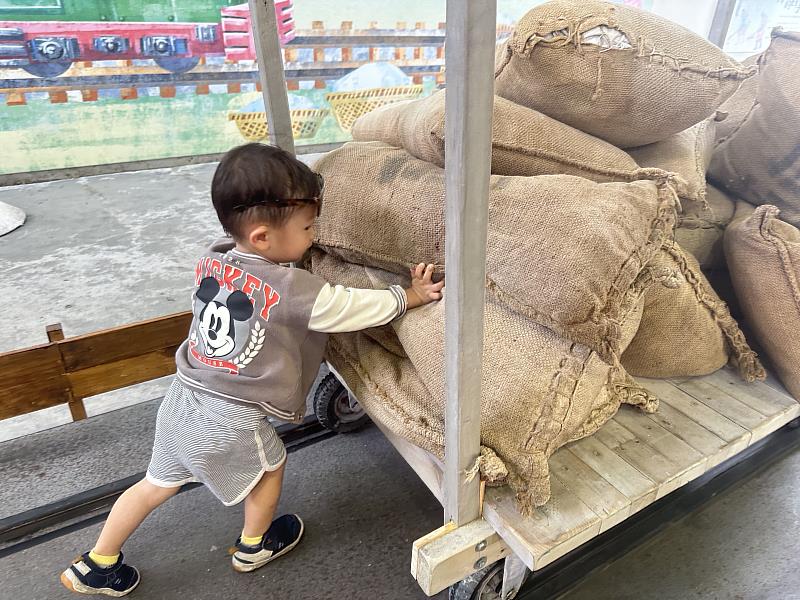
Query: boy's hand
x=423 y=290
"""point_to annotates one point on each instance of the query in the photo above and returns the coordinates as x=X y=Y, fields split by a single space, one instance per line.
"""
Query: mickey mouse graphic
x=217 y=320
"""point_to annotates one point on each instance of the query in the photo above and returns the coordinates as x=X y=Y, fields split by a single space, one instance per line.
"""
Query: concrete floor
x=103 y=251
x=363 y=507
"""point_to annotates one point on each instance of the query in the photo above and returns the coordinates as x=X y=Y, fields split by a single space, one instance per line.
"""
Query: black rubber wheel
x=486 y=584
x=178 y=65
x=335 y=409
x=46 y=70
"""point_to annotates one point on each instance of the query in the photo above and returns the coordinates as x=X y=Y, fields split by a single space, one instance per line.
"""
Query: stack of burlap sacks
x=592 y=257
x=757 y=161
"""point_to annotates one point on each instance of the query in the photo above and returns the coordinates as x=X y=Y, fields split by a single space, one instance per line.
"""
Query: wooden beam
x=468 y=123
x=127 y=341
x=270 y=71
x=32 y=379
x=723 y=14
x=449 y=554
x=55 y=333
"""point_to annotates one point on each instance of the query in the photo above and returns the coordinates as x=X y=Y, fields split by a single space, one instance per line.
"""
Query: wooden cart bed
x=631 y=462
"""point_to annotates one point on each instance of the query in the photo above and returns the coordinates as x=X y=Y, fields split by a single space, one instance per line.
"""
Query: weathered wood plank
x=672 y=447
x=758 y=396
x=471 y=38
x=552 y=530
x=128 y=341
x=606 y=501
x=666 y=473
x=31 y=379
x=449 y=554
x=712 y=446
x=635 y=485
x=426 y=465
x=712 y=420
x=122 y=373
x=710 y=395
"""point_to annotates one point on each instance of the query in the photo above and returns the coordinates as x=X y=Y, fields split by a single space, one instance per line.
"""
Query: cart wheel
x=335 y=408
x=486 y=584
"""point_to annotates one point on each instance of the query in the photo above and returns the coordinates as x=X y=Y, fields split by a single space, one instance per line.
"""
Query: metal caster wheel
x=487 y=584
x=335 y=408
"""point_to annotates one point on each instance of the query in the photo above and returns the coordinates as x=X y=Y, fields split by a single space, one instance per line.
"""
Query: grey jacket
x=249 y=340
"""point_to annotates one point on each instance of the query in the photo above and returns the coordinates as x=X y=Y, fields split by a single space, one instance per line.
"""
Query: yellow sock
x=251 y=541
x=103 y=561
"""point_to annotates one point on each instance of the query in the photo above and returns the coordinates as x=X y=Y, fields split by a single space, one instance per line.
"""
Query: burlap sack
x=701 y=227
x=539 y=391
x=544 y=240
x=619 y=73
x=686 y=329
x=760 y=161
x=686 y=153
x=739 y=104
x=763 y=256
x=524 y=141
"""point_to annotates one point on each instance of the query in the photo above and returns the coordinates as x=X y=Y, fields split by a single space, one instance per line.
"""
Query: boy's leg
x=264 y=539
x=102 y=570
x=261 y=502
x=130 y=509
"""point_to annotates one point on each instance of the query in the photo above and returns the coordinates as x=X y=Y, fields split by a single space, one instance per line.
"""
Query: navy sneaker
x=283 y=535
x=87 y=577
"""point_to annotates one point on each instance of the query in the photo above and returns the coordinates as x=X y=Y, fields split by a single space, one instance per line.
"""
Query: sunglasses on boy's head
x=284 y=201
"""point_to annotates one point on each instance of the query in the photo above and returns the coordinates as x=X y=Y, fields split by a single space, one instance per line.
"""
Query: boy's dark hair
x=261 y=183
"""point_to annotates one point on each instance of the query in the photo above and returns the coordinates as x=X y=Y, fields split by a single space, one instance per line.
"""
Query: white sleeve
x=339 y=309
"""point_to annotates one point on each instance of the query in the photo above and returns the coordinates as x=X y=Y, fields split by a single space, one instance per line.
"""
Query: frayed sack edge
x=643 y=48
x=532 y=484
x=601 y=332
x=745 y=359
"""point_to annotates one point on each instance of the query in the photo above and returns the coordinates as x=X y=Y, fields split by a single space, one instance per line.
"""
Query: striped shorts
x=225 y=446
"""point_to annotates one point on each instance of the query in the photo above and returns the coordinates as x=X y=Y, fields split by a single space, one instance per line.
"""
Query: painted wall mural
x=87 y=82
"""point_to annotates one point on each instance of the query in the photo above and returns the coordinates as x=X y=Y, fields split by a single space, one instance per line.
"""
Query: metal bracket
x=514 y=575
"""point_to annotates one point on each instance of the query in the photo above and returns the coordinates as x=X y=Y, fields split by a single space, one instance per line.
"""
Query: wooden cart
x=597 y=482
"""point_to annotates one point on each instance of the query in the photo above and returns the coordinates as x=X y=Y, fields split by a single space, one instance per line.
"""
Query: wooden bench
x=65 y=371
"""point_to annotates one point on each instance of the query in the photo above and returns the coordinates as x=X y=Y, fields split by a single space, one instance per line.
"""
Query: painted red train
x=45 y=44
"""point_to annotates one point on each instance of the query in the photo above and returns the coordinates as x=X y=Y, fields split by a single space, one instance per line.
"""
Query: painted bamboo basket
x=348 y=106
x=305 y=123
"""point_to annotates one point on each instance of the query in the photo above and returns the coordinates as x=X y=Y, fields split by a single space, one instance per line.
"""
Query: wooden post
x=129 y=93
x=58 y=97
x=468 y=125
x=166 y=91
x=418 y=51
x=373 y=52
x=270 y=70
x=400 y=51
x=347 y=53
x=89 y=95
x=55 y=333
x=319 y=28
x=234 y=88
x=202 y=89
x=721 y=21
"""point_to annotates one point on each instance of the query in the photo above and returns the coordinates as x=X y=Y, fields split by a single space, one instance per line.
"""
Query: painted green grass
x=40 y=136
